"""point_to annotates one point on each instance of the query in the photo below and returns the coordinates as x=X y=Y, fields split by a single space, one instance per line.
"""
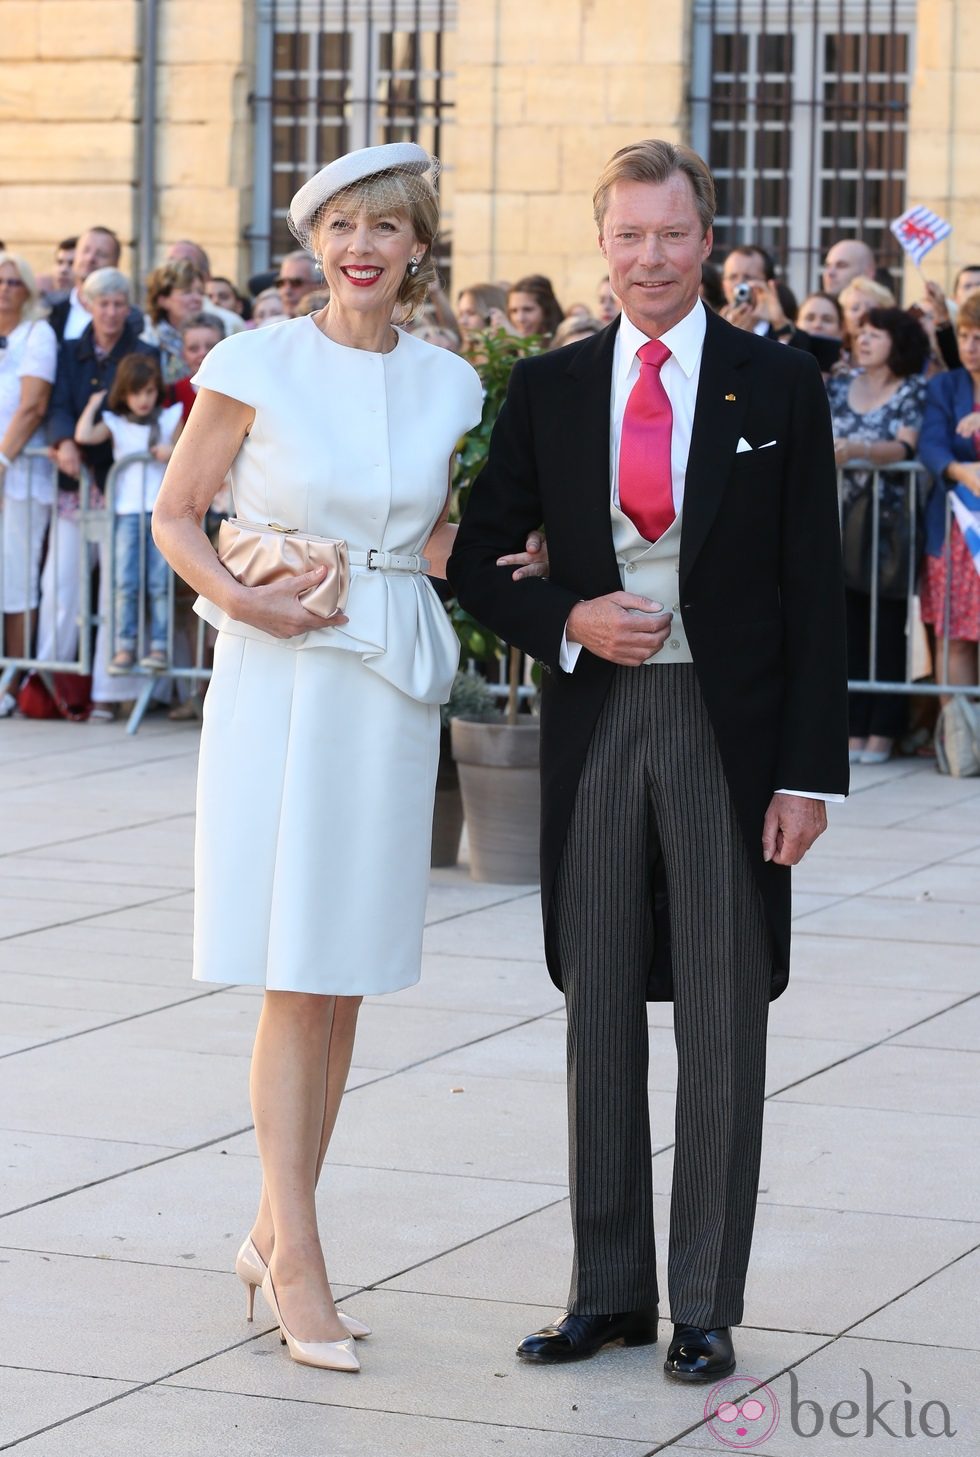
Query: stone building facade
x=524 y=102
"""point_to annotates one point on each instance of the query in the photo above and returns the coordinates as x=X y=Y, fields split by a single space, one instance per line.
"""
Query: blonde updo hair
x=875 y=295
x=33 y=306
x=396 y=190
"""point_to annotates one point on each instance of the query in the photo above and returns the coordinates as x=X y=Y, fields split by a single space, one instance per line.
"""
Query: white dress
x=319 y=752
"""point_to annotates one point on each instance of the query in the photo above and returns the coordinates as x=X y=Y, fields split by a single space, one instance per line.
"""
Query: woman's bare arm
x=31 y=410
x=202 y=457
x=531 y=562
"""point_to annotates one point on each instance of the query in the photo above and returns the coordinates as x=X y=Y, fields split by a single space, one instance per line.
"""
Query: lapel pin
x=729 y=397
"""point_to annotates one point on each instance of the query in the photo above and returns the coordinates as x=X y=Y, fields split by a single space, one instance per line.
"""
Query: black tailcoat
x=760 y=582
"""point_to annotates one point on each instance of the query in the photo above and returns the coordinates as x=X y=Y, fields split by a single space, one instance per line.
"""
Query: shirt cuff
x=813 y=794
x=568 y=653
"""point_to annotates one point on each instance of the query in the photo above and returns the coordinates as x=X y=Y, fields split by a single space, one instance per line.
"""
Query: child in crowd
x=136 y=424
x=198 y=336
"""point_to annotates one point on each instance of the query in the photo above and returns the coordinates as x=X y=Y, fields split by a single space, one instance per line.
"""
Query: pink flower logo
x=741 y=1412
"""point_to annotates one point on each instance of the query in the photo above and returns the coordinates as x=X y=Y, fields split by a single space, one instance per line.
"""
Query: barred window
x=802 y=113
x=334 y=75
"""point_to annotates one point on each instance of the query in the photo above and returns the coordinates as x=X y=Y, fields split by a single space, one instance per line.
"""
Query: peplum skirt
x=314 y=823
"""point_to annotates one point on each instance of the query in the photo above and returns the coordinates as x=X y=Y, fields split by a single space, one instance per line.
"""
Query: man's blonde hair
x=656 y=161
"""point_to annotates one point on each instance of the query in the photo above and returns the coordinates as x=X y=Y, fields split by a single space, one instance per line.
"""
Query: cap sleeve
x=40 y=356
x=231 y=369
x=472 y=400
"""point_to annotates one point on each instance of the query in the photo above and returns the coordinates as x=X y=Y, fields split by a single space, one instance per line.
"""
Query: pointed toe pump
x=325 y=1355
x=251 y=1269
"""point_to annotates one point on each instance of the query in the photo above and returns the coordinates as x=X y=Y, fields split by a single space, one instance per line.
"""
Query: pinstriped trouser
x=653 y=782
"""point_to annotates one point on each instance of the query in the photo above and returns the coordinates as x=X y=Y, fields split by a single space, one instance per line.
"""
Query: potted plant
x=497 y=758
x=470 y=696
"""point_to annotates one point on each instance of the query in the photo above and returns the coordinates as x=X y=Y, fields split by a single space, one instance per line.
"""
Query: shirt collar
x=684 y=340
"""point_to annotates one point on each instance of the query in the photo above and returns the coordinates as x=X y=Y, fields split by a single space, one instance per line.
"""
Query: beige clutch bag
x=258 y=554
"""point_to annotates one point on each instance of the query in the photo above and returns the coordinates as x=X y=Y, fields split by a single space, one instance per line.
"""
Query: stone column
x=69 y=84
x=944 y=133
x=547 y=91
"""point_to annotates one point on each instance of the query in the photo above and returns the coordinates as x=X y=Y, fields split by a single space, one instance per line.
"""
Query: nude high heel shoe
x=251 y=1269
x=325 y=1355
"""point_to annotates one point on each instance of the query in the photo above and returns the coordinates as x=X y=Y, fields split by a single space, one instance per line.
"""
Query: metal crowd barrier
x=65 y=612
x=49 y=574
x=187 y=647
x=917 y=483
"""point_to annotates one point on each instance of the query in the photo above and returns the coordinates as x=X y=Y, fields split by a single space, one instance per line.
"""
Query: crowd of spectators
x=903 y=384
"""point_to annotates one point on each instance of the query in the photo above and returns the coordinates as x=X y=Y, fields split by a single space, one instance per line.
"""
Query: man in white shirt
x=693 y=722
x=98 y=247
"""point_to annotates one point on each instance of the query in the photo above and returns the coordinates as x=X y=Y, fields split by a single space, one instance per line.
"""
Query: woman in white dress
x=320 y=743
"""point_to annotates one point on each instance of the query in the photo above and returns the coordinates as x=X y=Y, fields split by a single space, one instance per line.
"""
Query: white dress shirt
x=680 y=375
x=78 y=318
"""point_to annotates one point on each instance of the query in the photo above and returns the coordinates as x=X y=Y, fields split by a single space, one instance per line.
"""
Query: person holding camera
x=755 y=301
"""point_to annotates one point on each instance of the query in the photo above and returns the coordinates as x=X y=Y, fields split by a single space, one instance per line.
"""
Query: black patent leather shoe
x=700 y=1355
x=575 y=1337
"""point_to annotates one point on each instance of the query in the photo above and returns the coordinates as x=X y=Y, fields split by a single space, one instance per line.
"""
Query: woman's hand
x=845 y=450
x=966 y=474
x=277 y=610
x=532 y=561
x=497 y=319
x=969 y=425
x=936 y=303
x=162 y=452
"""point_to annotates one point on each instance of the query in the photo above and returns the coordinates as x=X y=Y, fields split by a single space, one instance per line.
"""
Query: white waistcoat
x=651 y=570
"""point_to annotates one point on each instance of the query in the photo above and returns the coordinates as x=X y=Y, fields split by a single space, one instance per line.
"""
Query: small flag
x=919 y=230
x=966 y=509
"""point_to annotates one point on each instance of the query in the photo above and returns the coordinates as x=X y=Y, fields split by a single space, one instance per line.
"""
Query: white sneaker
x=8 y=705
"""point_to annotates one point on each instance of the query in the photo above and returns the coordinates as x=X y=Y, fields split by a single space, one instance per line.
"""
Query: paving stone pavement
x=129 y=1169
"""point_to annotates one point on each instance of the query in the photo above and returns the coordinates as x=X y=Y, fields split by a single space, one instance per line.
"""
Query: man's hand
x=743 y=316
x=790 y=827
x=622 y=628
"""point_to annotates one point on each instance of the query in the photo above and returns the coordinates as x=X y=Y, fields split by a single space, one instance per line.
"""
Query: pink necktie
x=646 y=492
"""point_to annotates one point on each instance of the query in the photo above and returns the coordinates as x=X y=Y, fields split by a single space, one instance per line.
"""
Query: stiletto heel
x=325 y=1355
x=250 y=1269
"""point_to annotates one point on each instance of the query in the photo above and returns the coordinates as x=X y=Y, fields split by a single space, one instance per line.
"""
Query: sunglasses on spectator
x=12 y=283
x=285 y=282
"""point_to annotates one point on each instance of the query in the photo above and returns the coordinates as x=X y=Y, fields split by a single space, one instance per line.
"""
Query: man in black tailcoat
x=692 y=727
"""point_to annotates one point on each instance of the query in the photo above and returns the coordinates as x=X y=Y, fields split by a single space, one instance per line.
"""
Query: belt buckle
x=373 y=552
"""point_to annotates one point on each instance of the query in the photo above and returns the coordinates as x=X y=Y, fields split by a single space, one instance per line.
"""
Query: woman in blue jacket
x=949 y=445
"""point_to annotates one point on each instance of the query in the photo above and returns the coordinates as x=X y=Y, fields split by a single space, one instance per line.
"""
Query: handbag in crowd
x=898 y=534
x=55 y=695
x=258 y=555
x=958 y=739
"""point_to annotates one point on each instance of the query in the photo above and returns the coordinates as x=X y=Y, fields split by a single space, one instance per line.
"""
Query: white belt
x=387 y=561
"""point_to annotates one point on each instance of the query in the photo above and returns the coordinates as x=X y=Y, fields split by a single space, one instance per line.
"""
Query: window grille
x=334 y=75
x=802 y=113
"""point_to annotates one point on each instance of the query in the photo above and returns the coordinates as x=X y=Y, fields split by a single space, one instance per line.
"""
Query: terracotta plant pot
x=447 y=816
x=498 y=776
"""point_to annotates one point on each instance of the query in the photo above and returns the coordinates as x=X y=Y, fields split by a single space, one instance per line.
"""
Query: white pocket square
x=743 y=445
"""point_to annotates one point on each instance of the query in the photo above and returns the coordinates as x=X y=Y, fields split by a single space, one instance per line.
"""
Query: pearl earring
x=413 y=267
